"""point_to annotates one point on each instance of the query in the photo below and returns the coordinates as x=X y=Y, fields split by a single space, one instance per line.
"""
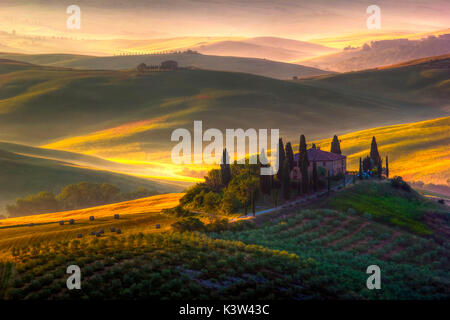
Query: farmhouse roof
x=320 y=155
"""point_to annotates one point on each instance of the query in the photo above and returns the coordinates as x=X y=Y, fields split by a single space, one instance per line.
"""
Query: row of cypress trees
x=373 y=161
x=271 y=185
x=286 y=163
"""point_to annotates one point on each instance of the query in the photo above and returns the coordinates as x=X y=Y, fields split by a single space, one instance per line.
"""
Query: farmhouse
x=332 y=162
x=169 y=65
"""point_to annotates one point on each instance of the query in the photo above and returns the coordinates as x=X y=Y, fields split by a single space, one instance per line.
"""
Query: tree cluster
x=74 y=196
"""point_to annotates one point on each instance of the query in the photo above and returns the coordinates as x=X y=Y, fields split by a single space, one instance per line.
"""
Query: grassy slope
x=417 y=151
x=382 y=202
x=72 y=157
x=149 y=204
x=24 y=175
x=129 y=117
x=155 y=266
x=315 y=253
x=392 y=81
x=135 y=216
x=380 y=54
x=79 y=103
x=262 y=67
x=342 y=246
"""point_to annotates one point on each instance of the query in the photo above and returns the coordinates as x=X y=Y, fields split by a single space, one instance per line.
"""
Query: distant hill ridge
x=381 y=53
x=261 y=67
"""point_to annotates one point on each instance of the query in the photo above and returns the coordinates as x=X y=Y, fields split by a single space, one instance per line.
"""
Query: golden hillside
x=417 y=151
x=144 y=205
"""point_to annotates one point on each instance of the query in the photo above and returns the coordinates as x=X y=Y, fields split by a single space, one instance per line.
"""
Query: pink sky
x=297 y=19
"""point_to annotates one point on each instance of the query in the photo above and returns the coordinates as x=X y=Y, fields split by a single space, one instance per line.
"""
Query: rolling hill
x=24 y=175
x=295 y=253
x=391 y=81
x=381 y=53
x=417 y=151
x=153 y=204
x=271 y=48
x=262 y=67
x=128 y=117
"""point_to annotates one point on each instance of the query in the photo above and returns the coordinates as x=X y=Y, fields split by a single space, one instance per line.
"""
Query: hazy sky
x=297 y=19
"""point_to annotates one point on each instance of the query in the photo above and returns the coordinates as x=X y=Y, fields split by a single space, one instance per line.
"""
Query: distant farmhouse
x=168 y=65
x=332 y=162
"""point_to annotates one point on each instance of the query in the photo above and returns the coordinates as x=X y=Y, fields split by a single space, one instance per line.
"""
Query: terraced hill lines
x=325 y=230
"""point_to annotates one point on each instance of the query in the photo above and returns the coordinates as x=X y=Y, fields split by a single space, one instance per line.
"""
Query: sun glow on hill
x=359 y=39
x=144 y=205
x=417 y=151
x=175 y=44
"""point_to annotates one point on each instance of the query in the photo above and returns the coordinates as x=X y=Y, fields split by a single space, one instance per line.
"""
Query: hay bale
x=118 y=231
x=101 y=231
x=93 y=233
x=91 y=218
x=79 y=236
x=61 y=223
x=158 y=226
x=113 y=229
x=71 y=221
x=116 y=216
x=98 y=234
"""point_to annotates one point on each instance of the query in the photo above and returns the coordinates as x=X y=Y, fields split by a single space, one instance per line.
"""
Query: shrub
x=34 y=204
x=217 y=226
x=211 y=201
x=367 y=215
x=192 y=192
x=178 y=211
x=398 y=183
x=230 y=202
x=189 y=224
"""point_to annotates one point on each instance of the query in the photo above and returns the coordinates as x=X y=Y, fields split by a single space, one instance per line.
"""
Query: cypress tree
x=336 y=145
x=225 y=170
x=315 y=177
x=265 y=181
x=274 y=192
x=360 y=169
x=286 y=182
x=379 y=169
x=303 y=164
x=281 y=158
x=290 y=156
x=387 y=168
x=368 y=164
x=374 y=155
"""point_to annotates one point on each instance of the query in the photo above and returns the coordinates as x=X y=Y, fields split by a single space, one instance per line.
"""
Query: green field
x=380 y=202
x=296 y=253
x=412 y=76
x=417 y=151
x=128 y=118
x=104 y=112
x=261 y=67
x=24 y=175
